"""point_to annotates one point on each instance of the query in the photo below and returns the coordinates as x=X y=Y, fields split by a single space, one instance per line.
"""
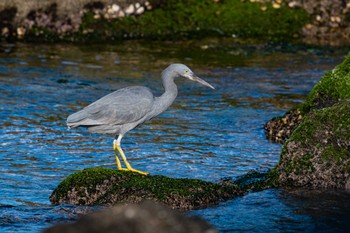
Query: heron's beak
x=193 y=77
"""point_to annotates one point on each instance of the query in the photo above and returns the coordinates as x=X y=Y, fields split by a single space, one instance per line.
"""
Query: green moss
x=100 y=185
x=334 y=86
x=332 y=124
x=162 y=186
x=86 y=178
x=335 y=153
x=191 y=19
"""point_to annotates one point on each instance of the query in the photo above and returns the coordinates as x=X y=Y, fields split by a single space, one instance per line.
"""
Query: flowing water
x=206 y=134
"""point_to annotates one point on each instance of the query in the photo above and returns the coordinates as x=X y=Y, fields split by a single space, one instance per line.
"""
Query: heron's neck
x=170 y=92
x=170 y=88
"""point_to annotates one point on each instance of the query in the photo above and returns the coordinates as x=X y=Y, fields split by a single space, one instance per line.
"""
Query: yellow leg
x=119 y=165
x=116 y=148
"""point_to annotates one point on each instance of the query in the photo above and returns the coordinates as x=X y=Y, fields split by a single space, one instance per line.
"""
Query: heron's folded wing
x=122 y=106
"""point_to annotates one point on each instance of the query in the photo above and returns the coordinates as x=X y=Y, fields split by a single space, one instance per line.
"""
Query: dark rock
x=7 y=16
x=147 y=217
x=279 y=129
x=254 y=181
x=94 y=5
x=110 y=187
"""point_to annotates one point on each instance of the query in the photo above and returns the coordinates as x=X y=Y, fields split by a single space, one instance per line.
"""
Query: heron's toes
x=134 y=170
x=139 y=172
x=123 y=169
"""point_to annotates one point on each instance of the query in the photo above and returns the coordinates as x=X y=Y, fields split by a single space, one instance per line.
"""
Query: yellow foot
x=123 y=169
x=134 y=170
x=137 y=171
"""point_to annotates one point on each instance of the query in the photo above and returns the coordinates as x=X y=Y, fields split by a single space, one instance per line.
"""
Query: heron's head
x=184 y=71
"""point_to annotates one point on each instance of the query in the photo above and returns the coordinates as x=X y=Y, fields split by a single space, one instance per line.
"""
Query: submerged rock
x=317 y=154
x=147 y=217
x=110 y=187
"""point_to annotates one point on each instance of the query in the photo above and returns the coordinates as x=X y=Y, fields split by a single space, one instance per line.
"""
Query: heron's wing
x=120 y=107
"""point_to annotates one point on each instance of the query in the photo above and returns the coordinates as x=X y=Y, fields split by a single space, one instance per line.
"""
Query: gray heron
x=124 y=109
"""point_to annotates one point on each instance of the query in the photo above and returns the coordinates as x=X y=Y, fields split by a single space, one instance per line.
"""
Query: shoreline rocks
x=322 y=22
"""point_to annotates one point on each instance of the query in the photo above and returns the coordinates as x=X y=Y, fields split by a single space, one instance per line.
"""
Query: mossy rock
x=109 y=187
x=318 y=152
x=332 y=88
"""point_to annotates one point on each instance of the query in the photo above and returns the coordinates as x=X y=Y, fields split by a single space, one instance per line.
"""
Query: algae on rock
x=109 y=187
x=332 y=88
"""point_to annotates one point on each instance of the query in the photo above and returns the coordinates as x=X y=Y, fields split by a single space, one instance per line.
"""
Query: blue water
x=206 y=134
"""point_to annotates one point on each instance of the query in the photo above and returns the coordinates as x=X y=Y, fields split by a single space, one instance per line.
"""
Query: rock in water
x=110 y=187
x=317 y=154
x=147 y=217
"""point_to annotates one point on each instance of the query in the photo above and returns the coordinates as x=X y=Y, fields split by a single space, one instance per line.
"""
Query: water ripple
x=206 y=134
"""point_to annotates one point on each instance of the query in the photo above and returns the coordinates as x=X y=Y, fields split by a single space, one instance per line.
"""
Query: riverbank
x=312 y=22
x=328 y=24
